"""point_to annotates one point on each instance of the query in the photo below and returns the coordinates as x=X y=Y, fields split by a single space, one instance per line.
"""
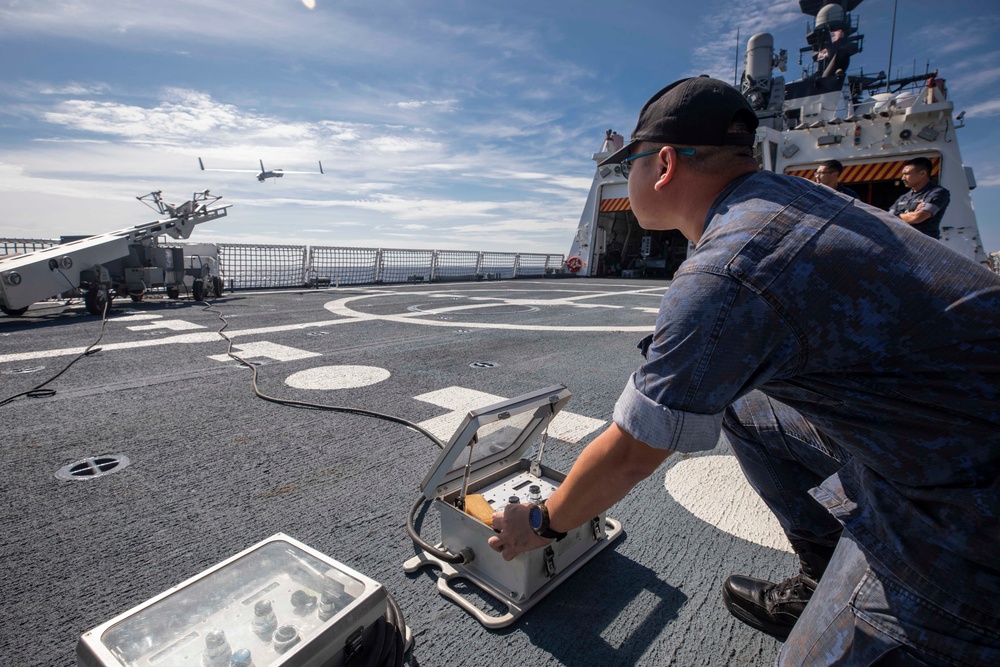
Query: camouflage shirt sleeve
x=715 y=341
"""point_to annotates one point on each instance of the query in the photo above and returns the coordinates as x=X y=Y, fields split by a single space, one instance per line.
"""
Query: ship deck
x=214 y=469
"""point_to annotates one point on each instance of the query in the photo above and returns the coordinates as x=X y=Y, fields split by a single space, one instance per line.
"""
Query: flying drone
x=263 y=174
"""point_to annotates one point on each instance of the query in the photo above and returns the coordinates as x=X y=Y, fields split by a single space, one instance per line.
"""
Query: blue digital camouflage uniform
x=934 y=198
x=877 y=341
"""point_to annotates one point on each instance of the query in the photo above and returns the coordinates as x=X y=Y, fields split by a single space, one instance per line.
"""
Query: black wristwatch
x=538 y=517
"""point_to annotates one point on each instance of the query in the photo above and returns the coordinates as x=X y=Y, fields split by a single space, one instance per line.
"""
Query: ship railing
x=12 y=247
x=256 y=266
x=994 y=260
x=354 y=266
x=262 y=266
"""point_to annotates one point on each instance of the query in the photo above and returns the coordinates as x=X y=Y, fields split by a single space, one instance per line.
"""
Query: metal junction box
x=485 y=457
x=277 y=603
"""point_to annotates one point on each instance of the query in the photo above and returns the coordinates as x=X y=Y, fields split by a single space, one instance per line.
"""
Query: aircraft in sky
x=263 y=174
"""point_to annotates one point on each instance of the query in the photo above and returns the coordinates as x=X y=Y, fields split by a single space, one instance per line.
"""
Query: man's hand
x=515 y=533
x=605 y=471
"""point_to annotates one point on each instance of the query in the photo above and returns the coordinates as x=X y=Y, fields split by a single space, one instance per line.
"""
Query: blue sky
x=451 y=125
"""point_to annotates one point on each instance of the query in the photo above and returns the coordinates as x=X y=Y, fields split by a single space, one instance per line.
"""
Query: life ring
x=574 y=263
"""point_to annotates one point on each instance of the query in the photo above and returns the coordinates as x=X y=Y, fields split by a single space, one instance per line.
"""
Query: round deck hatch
x=93 y=467
x=25 y=370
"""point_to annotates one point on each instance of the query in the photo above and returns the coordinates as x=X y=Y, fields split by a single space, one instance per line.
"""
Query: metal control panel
x=523 y=487
x=277 y=603
x=485 y=458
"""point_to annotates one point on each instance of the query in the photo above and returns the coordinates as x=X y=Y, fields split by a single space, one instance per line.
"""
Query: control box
x=277 y=603
x=485 y=458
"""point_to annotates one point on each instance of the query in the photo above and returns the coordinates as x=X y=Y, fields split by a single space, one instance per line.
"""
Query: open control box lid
x=498 y=435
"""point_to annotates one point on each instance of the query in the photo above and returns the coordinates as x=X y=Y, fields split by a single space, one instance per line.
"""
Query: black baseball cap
x=692 y=112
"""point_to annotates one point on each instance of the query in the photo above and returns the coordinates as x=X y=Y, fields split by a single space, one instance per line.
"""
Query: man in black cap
x=855 y=370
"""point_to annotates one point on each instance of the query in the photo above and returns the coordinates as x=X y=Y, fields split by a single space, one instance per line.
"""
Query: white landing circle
x=337 y=377
x=714 y=489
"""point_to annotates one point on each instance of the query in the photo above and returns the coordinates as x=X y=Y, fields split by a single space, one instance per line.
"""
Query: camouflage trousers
x=861 y=613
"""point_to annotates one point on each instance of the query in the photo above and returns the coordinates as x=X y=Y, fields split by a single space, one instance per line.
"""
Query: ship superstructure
x=870 y=123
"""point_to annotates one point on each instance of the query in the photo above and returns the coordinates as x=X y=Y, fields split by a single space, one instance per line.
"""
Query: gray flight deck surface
x=214 y=469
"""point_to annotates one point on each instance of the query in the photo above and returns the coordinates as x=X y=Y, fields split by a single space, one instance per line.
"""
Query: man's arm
x=916 y=217
x=934 y=202
x=604 y=473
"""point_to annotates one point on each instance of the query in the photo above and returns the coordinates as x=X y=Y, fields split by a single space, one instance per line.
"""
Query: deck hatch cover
x=23 y=371
x=93 y=467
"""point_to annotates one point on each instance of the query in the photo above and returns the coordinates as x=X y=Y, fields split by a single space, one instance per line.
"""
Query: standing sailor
x=924 y=205
x=828 y=174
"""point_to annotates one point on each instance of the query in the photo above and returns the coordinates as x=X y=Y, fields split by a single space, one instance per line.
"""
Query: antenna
x=736 y=57
x=892 y=37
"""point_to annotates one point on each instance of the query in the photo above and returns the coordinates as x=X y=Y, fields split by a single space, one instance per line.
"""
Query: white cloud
x=989 y=108
x=959 y=35
x=991 y=180
x=132 y=24
x=719 y=49
x=974 y=82
x=70 y=88
x=441 y=105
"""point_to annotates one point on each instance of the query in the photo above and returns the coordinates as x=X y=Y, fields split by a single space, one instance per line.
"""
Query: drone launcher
x=50 y=272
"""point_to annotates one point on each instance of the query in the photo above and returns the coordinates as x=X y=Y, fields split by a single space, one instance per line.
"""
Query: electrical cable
x=421 y=499
x=389 y=647
x=411 y=530
x=37 y=391
x=66 y=278
x=315 y=406
x=390 y=642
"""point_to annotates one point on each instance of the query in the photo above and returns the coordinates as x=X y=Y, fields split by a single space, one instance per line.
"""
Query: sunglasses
x=626 y=164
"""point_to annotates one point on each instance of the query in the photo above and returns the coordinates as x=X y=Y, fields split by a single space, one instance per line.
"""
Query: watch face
x=535 y=517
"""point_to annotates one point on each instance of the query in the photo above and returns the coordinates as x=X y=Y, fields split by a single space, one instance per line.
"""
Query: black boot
x=775 y=607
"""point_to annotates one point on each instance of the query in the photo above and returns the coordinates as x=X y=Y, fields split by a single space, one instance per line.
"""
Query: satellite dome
x=832 y=17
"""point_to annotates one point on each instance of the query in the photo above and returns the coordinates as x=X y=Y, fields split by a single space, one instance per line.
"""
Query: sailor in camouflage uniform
x=854 y=365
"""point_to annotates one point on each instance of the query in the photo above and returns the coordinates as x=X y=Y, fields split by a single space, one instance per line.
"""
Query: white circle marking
x=337 y=377
x=714 y=489
x=342 y=308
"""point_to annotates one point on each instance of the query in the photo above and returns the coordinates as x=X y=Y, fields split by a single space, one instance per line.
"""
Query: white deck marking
x=567 y=426
x=266 y=350
x=201 y=337
x=173 y=325
x=290 y=327
x=342 y=307
x=137 y=317
x=448 y=309
x=654 y=311
x=337 y=377
x=714 y=489
x=570 y=301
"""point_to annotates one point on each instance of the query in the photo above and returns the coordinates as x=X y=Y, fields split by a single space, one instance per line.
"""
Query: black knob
x=302 y=599
x=285 y=633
